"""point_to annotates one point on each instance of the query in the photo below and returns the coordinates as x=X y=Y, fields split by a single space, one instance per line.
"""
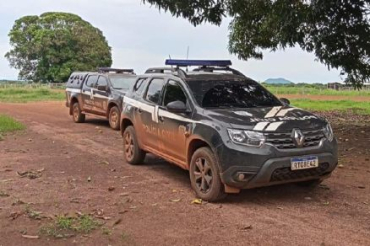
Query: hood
x=279 y=119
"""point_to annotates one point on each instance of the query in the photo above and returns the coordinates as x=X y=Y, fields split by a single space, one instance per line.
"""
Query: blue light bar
x=186 y=63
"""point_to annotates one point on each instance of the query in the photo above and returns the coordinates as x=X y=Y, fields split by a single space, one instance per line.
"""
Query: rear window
x=231 y=94
x=91 y=81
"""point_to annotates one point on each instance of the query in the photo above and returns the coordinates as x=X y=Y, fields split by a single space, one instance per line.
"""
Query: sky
x=141 y=36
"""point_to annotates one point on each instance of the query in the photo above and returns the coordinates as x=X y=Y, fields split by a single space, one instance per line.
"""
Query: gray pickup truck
x=98 y=93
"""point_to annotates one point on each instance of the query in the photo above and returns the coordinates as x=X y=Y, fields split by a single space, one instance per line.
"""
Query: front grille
x=286 y=174
x=285 y=140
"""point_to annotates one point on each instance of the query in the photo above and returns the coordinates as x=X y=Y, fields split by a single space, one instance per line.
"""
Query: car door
x=101 y=95
x=87 y=93
x=136 y=101
x=149 y=114
x=174 y=127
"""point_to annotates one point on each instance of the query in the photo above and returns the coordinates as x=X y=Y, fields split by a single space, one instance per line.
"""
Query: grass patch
x=64 y=226
x=8 y=124
x=22 y=95
x=343 y=105
x=301 y=90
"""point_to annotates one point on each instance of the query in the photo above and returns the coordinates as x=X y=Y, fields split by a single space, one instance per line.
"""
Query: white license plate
x=308 y=162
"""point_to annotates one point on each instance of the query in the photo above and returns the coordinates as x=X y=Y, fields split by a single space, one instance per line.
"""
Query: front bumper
x=277 y=171
x=269 y=166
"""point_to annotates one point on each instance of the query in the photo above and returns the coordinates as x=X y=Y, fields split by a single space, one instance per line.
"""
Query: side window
x=154 y=90
x=91 y=81
x=102 y=81
x=174 y=92
x=140 y=86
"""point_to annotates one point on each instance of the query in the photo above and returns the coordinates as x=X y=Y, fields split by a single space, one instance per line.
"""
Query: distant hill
x=278 y=81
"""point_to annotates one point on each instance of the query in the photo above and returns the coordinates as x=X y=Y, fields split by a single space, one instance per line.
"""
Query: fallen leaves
x=247 y=227
x=30 y=237
x=197 y=201
x=32 y=174
x=175 y=200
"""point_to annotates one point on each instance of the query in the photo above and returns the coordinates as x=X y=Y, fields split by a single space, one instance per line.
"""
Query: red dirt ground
x=146 y=198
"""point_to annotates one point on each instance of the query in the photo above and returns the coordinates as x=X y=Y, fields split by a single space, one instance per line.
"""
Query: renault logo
x=298 y=137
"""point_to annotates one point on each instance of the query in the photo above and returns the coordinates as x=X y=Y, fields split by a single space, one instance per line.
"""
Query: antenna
x=170 y=59
x=187 y=57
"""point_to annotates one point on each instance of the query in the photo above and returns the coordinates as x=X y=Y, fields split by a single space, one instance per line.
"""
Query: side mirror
x=285 y=101
x=176 y=107
x=102 y=87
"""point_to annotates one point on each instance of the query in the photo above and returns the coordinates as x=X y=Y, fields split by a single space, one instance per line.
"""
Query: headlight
x=328 y=131
x=250 y=138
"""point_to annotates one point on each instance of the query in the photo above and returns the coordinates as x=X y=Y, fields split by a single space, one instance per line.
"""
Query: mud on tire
x=114 y=118
x=77 y=116
x=132 y=152
x=205 y=176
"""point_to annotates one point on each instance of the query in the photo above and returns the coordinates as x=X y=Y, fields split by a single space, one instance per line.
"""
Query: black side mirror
x=102 y=87
x=285 y=101
x=176 y=107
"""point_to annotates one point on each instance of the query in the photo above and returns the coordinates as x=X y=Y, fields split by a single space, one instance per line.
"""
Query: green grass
x=8 y=124
x=343 y=105
x=22 y=95
x=64 y=226
x=301 y=90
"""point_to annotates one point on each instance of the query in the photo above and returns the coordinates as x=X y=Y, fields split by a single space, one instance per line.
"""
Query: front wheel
x=114 y=118
x=132 y=152
x=77 y=115
x=205 y=176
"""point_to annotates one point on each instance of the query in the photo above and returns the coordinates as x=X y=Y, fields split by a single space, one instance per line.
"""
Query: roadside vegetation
x=27 y=94
x=8 y=124
x=314 y=90
x=342 y=105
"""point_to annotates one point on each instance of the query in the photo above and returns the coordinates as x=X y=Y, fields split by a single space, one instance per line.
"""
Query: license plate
x=308 y=162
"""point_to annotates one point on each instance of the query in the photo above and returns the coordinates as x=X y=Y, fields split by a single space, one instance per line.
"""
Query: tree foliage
x=49 y=47
x=336 y=31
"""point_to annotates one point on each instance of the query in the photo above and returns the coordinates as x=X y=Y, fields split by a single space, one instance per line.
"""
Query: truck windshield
x=231 y=94
x=123 y=82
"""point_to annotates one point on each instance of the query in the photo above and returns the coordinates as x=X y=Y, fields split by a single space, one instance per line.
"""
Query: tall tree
x=336 y=31
x=49 y=47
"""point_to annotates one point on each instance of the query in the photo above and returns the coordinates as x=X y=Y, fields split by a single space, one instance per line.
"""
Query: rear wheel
x=205 y=176
x=114 y=118
x=132 y=152
x=77 y=115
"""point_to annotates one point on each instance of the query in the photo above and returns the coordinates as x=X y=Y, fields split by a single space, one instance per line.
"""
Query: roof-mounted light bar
x=188 y=63
x=115 y=70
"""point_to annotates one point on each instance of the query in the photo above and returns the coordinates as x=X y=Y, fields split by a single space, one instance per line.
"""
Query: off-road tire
x=131 y=150
x=114 y=118
x=205 y=176
x=77 y=115
x=310 y=183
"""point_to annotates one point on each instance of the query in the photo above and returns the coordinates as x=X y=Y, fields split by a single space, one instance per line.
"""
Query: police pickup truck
x=98 y=93
x=226 y=129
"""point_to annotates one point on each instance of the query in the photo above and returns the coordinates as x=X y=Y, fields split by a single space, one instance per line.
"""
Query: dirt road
x=151 y=204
